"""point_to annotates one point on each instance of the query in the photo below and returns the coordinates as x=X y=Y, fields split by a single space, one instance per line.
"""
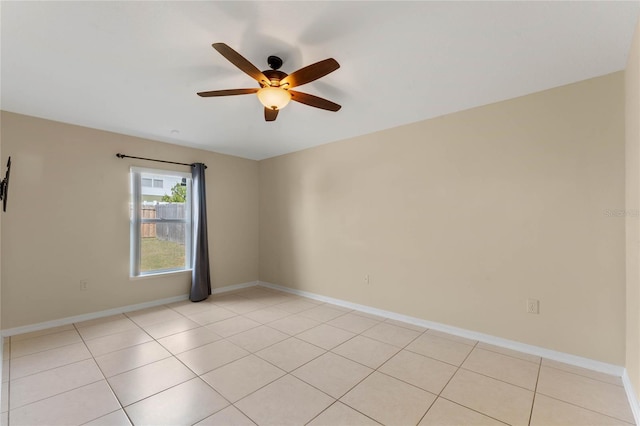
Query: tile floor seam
x=535 y=391
x=324 y=352
x=337 y=401
x=357 y=334
x=104 y=415
x=39 y=333
x=458 y=367
x=156 y=393
x=219 y=320
x=374 y=369
x=450 y=378
x=363 y=379
x=436 y=359
x=123 y=348
x=44 y=350
x=388 y=321
x=382 y=341
x=408 y=383
x=350 y=338
x=230 y=335
x=252 y=392
x=221 y=365
x=587 y=409
x=245 y=414
x=55 y=394
x=134 y=368
x=111 y=334
x=430 y=406
x=301 y=365
x=171 y=387
x=584 y=408
x=103 y=377
x=474 y=410
x=343 y=394
x=582 y=375
x=496 y=379
x=510 y=356
x=53 y=368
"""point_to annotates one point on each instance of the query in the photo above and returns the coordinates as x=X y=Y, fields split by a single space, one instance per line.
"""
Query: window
x=160 y=221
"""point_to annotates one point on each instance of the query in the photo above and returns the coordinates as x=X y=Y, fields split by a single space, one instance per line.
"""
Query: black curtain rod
x=152 y=159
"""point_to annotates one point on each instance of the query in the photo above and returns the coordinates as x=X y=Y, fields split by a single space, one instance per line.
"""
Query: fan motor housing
x=274 y=75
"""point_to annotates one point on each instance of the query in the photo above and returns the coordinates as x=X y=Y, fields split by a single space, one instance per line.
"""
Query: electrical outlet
x=533 y=306
x=84 y=285
x=366 y=279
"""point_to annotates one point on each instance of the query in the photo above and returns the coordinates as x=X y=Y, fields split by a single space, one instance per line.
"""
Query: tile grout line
x=122 y=407
x=374 y=370
x=582 y=375
x=83 y=340
x=535 y=392
x=286 y=373
x=456 y=372
x=450 y=378
x=103 y=376
x=289 y=373
x=289 y=336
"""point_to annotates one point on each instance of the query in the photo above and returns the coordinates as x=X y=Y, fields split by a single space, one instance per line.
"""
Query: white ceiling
x=135 y=67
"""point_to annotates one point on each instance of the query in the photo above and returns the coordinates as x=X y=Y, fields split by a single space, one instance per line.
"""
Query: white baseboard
x=590 y=364
x=234 y=287
x=115 y=311
x=497 y=341
x=578 y=361
x=632 y=396
x=93 y=315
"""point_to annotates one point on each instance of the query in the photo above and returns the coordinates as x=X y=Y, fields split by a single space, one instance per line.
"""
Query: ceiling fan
x=275 y=86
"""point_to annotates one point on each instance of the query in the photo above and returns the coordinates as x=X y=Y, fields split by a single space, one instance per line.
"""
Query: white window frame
x=136 y=220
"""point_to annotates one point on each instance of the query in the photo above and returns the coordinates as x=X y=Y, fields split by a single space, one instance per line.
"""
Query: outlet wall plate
x=533 y=306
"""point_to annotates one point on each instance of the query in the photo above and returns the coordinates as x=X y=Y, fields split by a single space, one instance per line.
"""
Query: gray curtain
x=200 y=275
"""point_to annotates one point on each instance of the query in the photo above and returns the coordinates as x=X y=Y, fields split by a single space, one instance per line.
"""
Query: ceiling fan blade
x=310 y=73
x=228 y=92
x=314 y=101
x=270 y=114
x=239 y=61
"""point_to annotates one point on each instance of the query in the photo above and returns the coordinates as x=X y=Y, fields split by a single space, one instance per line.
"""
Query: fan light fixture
x=274 y=98
x=275 y=91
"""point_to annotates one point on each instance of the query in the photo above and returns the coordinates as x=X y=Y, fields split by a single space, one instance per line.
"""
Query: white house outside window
x=160 y=221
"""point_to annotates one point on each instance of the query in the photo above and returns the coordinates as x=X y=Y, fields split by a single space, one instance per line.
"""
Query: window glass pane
x=161 y=221
x=162 y=246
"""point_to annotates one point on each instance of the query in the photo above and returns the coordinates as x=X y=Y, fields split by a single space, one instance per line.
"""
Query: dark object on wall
x=4 y=186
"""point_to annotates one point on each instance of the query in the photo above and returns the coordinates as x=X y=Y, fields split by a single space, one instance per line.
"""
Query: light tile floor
x=264 y=357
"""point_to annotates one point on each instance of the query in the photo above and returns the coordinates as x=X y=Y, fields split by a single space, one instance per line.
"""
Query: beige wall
x=68 y=220
x=632 y=155
x=460 y=219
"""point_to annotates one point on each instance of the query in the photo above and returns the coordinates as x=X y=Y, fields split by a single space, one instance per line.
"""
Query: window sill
x=158 y=274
